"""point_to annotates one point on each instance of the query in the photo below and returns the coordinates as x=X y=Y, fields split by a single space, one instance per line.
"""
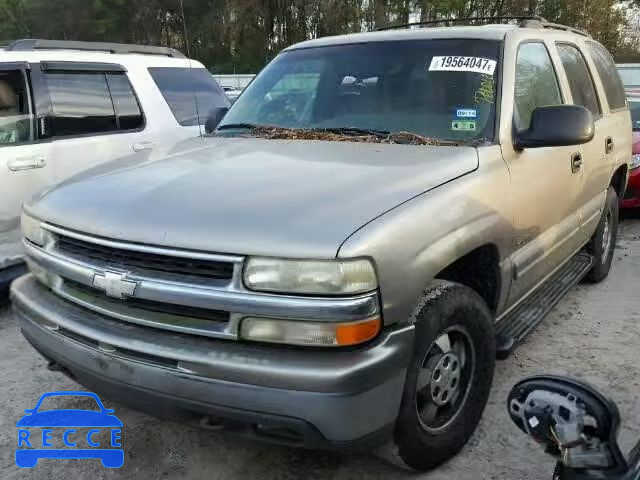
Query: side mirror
x=557 y=126
x=572 y=420
x=215 y=117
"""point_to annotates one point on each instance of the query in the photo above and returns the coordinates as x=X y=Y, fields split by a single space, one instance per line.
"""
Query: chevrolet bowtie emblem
x=115 y=284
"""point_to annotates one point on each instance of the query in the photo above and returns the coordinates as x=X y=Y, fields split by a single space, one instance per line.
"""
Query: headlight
x=320 y=277
x=321 y=334
x=31 y=229
x=635 y=162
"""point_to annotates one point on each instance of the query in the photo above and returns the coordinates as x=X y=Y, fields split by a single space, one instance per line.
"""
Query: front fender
x=412 y=243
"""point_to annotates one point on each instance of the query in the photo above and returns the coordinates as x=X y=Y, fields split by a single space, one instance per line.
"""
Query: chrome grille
x=142 y=262
x=78 y=290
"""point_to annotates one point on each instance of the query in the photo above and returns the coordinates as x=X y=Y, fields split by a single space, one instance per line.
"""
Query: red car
x=631 y=197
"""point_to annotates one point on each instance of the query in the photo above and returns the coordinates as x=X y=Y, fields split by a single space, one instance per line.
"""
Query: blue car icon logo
x=76 y=430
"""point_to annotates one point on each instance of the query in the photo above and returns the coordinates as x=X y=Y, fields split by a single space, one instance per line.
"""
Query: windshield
x=440 y=89
x=630 y=76
x=634 y=107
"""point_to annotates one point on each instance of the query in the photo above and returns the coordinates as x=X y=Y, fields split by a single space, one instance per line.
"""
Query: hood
x=251 y=196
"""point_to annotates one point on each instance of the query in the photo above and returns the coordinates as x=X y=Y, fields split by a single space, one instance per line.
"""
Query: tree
x=242 y=35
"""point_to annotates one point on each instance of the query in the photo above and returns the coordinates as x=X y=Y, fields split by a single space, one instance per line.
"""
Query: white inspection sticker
x=463 y=64
x=466 y=113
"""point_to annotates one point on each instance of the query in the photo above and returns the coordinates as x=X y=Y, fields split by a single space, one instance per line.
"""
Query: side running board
x=512 y=329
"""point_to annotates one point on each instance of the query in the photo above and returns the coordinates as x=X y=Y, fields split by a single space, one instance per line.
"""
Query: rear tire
x=449 y=378
x=603 y=241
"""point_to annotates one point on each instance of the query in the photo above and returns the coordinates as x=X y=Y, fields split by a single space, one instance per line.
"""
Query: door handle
x=140 y=146
x=26 y=163
x=576 y=162
x=608 y=145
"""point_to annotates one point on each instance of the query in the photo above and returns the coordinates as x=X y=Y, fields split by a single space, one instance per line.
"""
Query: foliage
x=242 y=35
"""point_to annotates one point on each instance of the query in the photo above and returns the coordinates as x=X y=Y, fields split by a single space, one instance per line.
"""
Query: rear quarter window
x=191 y=93
x=608 y=74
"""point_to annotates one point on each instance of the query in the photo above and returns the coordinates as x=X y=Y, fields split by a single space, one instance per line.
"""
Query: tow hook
x=56 y=367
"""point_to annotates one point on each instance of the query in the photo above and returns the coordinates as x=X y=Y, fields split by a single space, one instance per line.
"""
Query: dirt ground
x=594 y=334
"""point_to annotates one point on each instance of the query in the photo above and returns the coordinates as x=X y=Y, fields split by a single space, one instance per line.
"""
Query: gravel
x=592 y=334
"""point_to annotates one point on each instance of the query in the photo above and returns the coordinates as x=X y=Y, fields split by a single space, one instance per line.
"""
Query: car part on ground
x=576 y=424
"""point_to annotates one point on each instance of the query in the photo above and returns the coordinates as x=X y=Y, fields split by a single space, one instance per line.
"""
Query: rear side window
x=80 y=103
x=608 y=75
x=85 y=103
x=580 y=82
x=125 y=102
x=181 y=87
x=536 y=84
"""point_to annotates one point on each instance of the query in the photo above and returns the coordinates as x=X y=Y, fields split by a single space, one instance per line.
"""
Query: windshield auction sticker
x=463 y=64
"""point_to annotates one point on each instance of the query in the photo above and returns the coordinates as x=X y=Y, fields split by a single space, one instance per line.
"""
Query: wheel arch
x=479 y=269
x=619 y=180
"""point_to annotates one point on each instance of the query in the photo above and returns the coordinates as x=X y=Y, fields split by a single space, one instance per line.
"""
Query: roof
x=487 y=32
x=127 y=60
x=30 y=44
x=481 y=32
x=35 y=51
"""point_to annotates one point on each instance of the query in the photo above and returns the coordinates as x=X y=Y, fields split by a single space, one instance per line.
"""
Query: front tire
x=603 y=241
x=449 y=378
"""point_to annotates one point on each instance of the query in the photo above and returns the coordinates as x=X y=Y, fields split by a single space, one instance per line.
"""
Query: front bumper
x=631 y=197
x=303 y=397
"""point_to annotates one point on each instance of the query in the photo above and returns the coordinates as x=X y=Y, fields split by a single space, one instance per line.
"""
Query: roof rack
x=462 y=20
x=30 y=44
x=558 y=26
x=524 y=21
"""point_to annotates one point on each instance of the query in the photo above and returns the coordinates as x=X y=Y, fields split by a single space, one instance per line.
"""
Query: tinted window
x=580 y=82
x=81 y=103
x=608 y=75
x=16 y=125
x=442 y=89
x=630 y=76
x=125 y=102
x=634 y=106
x=536 y=84
x=291 y=94
x=181 y=86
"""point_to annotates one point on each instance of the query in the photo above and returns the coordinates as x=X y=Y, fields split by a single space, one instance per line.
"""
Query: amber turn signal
x=354 y=333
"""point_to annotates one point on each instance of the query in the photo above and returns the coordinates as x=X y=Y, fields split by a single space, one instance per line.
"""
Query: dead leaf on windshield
x=399 y=138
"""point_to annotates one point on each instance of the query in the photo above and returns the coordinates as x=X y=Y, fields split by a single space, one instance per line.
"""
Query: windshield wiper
x=244 y=126
x=353 y=131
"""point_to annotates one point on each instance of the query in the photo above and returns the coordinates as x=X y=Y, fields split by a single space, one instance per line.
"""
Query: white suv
x=68 y=106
